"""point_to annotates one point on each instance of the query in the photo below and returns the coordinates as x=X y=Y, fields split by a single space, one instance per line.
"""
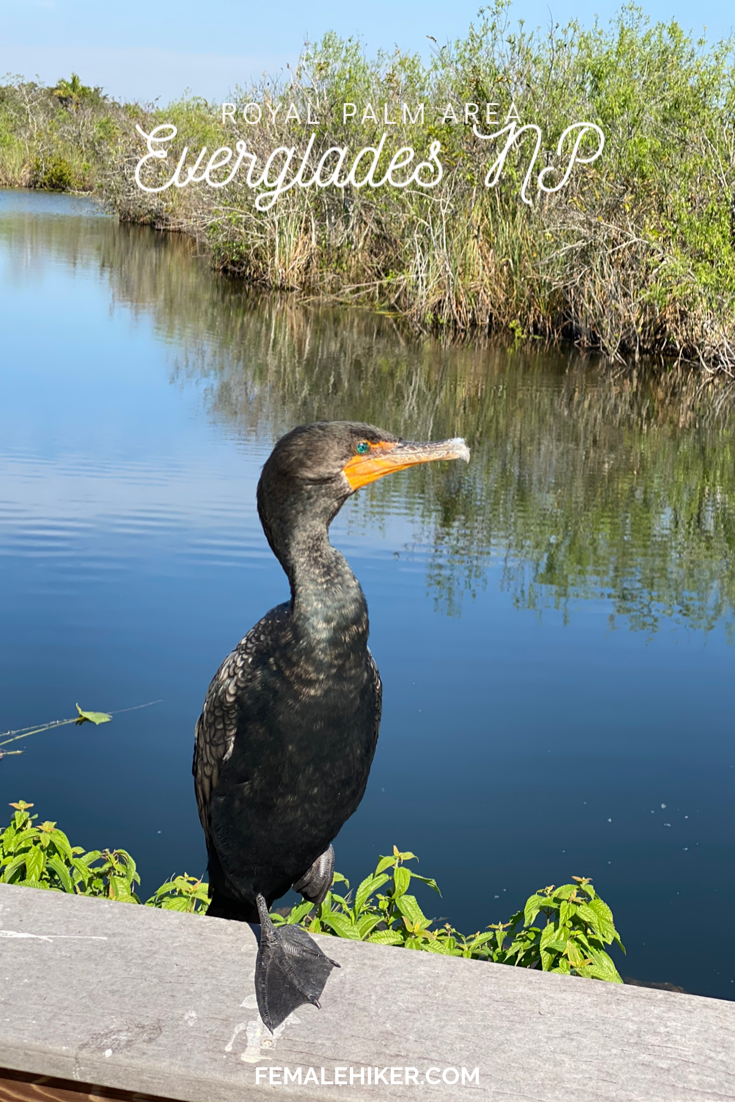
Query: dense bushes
x=57 y=138
x=635 y=254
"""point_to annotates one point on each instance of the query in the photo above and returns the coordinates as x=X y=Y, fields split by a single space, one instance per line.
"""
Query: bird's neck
x=327 y=599
x=329 y=612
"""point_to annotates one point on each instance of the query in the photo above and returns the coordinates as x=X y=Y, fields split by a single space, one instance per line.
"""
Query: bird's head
x=314 y=469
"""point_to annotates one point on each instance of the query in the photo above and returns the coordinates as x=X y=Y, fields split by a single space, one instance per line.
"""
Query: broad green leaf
x=35 y=863
x=386 y=937
x=297 y=913
x=586 y=915
x=61 y=840
x=557 y=946
x=123 y=858
x=533 y=905
x=434 y=945
x=88 y=858
x=12 y=867
x=128 y=865
x=426 y=880
x=369 y=885
x=603 y=919
x=384 y=863
x=175 y=903
x=581 y=939
x=576 y=957
x=61 y=844
x=401 y=879
x=326 y=905
x=25 y=838
x=482 y=939
x=586 y=888
x=93 y=717
x=164 y=888
x=603 y=968
x=566 y=912
x=120 y=890
x=82 y=870
x=62 y=872
x=566 y=890
x=550 y=936
x=367 y=924
x=409 y=908
x=342 y=926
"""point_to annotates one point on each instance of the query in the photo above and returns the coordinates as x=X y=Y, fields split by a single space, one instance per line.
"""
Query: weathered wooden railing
x=98 y=999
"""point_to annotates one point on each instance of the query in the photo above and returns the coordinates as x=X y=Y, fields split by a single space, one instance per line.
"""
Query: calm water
x=553 y=623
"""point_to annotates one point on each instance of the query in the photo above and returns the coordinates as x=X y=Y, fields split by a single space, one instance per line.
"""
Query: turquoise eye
x=362 y=448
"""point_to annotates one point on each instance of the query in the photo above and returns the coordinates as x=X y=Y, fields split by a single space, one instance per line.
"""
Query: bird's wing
x=214 y=734
x=377 y=689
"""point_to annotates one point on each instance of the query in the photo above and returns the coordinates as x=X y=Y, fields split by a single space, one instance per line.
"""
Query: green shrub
x=54 y=174
x=572 y=940
x=183 y=893
x=42 y=857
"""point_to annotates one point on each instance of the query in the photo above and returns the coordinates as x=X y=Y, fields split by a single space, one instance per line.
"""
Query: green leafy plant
x=41 y=856
x=183 y=893
x=572 y=941
x=54 y=174
x=72 y=92
x=391 y=917
x=382 y=910
x=578 y=923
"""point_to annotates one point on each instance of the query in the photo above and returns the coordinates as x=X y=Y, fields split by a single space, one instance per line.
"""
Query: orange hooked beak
x=384 y=458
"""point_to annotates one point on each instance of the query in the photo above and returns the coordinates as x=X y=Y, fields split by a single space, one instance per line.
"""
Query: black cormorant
x=290 y=722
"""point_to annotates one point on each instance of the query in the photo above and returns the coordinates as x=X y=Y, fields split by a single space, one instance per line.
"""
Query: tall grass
x=635 y=255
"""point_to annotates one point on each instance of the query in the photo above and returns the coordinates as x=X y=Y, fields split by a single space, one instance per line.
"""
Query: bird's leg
x=290 y=970
x=317 y=880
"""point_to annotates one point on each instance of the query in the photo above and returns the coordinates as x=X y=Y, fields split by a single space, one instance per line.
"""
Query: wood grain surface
x=162 y=1003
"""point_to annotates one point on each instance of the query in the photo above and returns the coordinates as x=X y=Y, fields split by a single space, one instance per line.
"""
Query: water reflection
x=584 y=483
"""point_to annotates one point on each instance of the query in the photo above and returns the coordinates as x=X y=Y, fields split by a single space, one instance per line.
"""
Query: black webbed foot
x=290 y=970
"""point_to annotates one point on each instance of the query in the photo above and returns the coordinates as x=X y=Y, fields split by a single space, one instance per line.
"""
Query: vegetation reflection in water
x=583 y=483
x=586 y=483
